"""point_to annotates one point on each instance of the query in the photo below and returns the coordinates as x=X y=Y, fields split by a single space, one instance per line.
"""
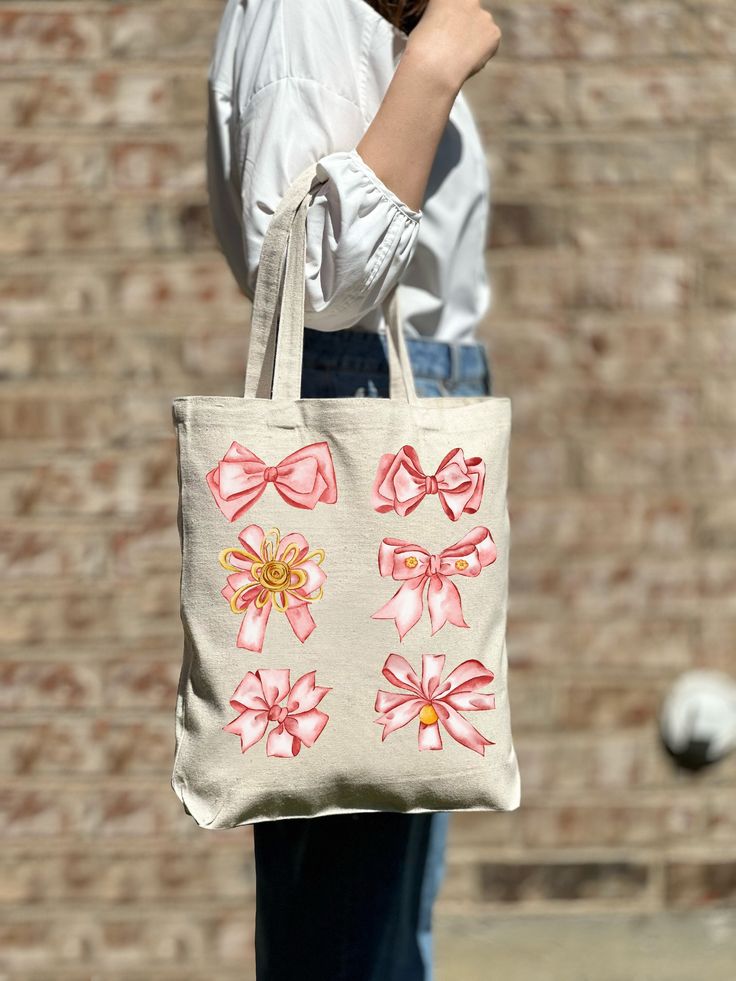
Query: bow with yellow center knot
x=436 y=703
x=272 y=572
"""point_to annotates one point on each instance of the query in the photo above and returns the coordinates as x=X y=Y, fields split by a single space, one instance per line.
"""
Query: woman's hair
x=401 y=13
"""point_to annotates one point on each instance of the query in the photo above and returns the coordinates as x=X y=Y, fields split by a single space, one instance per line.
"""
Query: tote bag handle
x=274 y=368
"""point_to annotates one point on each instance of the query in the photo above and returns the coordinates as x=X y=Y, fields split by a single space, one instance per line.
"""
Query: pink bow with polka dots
x=416 y=568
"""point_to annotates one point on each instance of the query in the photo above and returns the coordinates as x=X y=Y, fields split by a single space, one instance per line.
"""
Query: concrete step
x=615 y=947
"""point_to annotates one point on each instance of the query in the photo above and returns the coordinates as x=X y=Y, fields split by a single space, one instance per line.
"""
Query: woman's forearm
x=401 y=142
x=453 y=40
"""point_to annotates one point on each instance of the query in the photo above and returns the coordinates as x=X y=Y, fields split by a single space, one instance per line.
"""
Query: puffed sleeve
x=360 y=234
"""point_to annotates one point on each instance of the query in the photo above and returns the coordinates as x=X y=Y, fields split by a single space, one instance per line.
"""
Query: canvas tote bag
x=343 y=583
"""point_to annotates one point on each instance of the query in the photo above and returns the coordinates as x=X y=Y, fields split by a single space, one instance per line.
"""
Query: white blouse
x=298 y=81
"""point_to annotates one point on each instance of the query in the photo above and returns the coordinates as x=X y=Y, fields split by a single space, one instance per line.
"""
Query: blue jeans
x=349 y=897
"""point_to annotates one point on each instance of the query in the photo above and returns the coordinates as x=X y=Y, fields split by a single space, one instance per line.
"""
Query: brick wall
x=611 y=135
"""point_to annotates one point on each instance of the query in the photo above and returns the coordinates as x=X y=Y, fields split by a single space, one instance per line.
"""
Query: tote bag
x=344 y=583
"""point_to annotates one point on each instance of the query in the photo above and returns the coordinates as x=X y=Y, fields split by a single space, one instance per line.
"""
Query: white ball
x=698 y=718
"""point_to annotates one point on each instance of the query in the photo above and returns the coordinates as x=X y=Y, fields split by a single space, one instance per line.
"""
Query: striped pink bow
x=434 y=701
x=303 y=479
x=259 y=697
x=416 y=568
x=401 y=484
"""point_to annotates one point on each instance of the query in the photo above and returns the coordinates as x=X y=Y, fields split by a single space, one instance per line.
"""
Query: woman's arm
x=363 y=222
x=453 y=40
x=360 y=234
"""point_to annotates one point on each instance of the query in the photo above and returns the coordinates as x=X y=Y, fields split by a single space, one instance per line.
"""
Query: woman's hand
x=458 y=36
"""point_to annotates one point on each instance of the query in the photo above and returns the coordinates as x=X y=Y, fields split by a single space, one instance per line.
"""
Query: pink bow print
x=435 y=701
x=272 y=572
x=258 y=699
x=415 y=568
x=401 y=484
x=303 y=478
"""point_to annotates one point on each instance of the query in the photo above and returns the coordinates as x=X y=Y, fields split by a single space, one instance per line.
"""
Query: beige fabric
x=348 y=766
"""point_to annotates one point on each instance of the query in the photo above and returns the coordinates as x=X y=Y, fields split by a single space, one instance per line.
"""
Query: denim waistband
x=357 y=351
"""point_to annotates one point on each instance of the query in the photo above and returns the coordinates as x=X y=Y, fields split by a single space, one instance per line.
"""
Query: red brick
x=69 y=745
x=515 y=95
x=607 y=30
x=704 y=883
x=721 y=160
x=586 y=523
x=659 y=222
x=720 y=290
x=146 y=31
x=44 y=36
x=657 y=458
x=715 y=342
x=589 y=765
x=572 y=881
x=631 y=159
x=103 y=484
x=632 y=825
x=620 y=644
x=97 y=97
x=41 y=230
x=174 y=287
x=605 y=585
x=148 y=684
x=48 y=685
x=33 y=165
x=171 y=165
x=129 y=877
x=654 y=95
x=715 y=642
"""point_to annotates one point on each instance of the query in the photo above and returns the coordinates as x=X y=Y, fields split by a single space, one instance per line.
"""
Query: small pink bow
x=258 y=699
x=270 y=572
x=401 y=484
x=435 y=701
x=415 y=567
x=303 y=479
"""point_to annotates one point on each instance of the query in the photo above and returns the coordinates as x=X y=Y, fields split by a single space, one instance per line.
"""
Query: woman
x=372 y=90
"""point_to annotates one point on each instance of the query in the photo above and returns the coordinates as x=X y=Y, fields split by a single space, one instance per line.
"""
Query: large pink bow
x=303 y=478
x=272 y=572
x=435 y=701
x=415 y=568
x=258 y=699
x=401 y=484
